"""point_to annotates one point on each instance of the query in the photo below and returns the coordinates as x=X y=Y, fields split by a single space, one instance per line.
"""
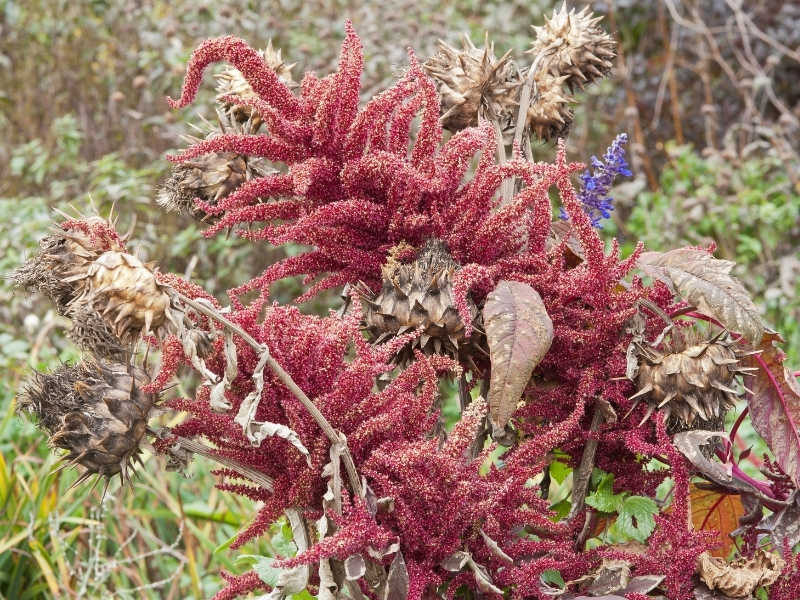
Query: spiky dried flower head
x=67 y=253
x=549 y=114
x=473 y=82
x=419 y=297
x=576 y=47
x=691 y=379
x=214 y=176
x=95 y=410
x=232 y=84
x=126 y=293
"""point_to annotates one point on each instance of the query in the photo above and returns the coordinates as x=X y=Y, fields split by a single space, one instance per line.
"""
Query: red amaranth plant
x=345 y=436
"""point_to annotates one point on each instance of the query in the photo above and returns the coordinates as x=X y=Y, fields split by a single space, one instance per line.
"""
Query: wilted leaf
x=612 y=576
x=642 y=584
x=636 y=517
x=495 y=549
x=456 y=561
x=702 y=592
x=689 y=443
x=704 y=281
x=741 y=578
x=775 y=405
x=354 y=567
x=397 y=581
x=519 y=333
x=483 y=579
x=783 y=526
x=712 y=511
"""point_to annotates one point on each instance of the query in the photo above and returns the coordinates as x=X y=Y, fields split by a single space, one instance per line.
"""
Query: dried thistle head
x=95 y=410
x=549 y=115
x=692 y=380
x=232 y=83
x=576 y=47
x=419 y=296
x=67 y=253
x=472 y=82
x=111 y=296
x=124 y=290
x=214 y=176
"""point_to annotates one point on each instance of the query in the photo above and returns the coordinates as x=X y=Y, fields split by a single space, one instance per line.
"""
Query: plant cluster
x=567 y=356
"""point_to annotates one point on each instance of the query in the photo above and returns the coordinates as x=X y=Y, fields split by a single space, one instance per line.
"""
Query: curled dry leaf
x=519 y=333
x=354 y=567
x=613 y=576
x=689 y=443
x=705 y=282
x=740 y=578
x=775 y=404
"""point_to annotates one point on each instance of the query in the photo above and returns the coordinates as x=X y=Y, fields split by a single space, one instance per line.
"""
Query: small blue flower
x=596 y=186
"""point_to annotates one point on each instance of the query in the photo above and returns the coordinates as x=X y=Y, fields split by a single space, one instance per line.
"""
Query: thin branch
x=326 y=427
x=584 y=473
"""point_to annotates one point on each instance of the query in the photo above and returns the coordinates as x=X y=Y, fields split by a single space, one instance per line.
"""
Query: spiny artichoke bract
x=579 y=49
x=474 y=82
x=232 y=83
x=214 y=176
x=549 y=115
x=692 y=380
x=419 y=296
x=95 y=410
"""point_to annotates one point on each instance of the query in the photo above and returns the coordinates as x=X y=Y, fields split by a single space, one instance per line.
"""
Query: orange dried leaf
x=712 y=511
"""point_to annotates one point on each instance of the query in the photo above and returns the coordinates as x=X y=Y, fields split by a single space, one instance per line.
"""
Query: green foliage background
x=83 y=116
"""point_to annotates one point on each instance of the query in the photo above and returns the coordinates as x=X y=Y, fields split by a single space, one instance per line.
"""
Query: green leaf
x=604 y=499
x=224 y=545
x=636 y=517
x=559 y=471
x=261 y=565
x=283 y=545
x=553 y=576
x=561 y=509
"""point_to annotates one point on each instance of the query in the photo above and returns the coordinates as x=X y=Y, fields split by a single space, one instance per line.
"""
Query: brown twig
x=583 y=475
x=287 y=380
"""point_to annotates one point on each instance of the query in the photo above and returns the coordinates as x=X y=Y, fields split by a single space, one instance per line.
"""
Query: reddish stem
x=739 y=421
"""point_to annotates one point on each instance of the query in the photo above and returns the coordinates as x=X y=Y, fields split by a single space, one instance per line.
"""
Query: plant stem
x=287 y=380
x=584 y=474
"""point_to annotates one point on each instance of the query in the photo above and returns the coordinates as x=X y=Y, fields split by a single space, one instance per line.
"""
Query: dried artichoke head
x=576 y=48
x=96 y=411
x=419 y=297
x=692 y=380
x=472 y=82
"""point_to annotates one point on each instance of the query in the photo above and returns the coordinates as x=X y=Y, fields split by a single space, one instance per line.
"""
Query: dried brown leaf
x=704 y=281
x=519 y=333
x=689 y=443
x=741 y=578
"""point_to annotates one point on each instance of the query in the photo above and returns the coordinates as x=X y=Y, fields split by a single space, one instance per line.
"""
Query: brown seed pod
x=126 y=293
x=472 y=83
x=549 y=115
x=232 y=83
x=419 y=296
x=95 y=410
x=211 y=177
x=692 y=380
x=578 y=49
x=64 y=254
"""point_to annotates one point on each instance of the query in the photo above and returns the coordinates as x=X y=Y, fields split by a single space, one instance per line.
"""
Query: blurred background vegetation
x=707 y=92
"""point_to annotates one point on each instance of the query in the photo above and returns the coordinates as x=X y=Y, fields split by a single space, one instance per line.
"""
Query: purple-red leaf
x=519 y=333
x=775 y=405
x=704 y=281
x=690 y=445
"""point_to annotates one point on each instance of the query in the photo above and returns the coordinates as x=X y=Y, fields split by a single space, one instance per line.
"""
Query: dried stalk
x=326 y=427
x=257 y=477
x=584 y=473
